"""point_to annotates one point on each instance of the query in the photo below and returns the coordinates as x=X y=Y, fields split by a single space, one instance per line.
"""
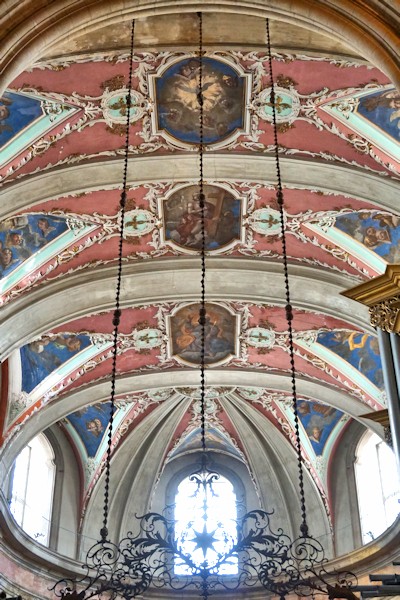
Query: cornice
x=35 y=26
x=377 y=289
x=382 y=296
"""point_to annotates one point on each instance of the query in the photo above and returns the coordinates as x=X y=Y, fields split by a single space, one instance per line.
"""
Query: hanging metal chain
x=202 y=311
x=117 y=311
x=288 y=307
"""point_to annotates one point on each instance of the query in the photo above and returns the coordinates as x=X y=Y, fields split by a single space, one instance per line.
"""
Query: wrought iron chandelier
x=264 y=557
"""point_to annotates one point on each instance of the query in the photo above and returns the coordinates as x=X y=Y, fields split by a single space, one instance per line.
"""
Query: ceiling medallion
x=114 y=106
x=220 y=334
x=287 y=106
x=173 y=91
x=260 y=337
x=138 y=222
x=181 y=218
x=265 y=221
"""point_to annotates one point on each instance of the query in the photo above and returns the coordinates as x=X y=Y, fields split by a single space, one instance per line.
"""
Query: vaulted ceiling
x=62 y=140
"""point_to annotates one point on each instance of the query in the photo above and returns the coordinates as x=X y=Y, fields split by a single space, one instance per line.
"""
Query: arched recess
x=66 y=498
x=134 y=469
x=100 y=391
x=30 y=28
x=342 y=484
x=180 y=467
x=137 y=465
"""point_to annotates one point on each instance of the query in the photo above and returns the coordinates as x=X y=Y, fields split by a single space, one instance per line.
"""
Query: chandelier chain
x=288 y=306
x=117 y=311
x=202 y=311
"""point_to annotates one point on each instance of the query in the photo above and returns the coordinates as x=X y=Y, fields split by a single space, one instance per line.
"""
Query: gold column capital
x=382 y=296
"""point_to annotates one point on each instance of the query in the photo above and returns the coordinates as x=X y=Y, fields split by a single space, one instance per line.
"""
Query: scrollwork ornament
x=385 y=314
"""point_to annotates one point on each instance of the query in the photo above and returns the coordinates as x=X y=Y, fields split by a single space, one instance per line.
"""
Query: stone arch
x=29 y=28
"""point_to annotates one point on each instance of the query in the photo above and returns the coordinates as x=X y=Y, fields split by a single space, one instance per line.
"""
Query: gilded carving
x=386 y=314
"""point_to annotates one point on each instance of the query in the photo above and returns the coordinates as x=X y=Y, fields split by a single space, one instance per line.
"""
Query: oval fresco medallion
x=181 y=214
x=138 y=222
x=225 y=92
x=287 y=105
x=220 y=334
x=265 y=221
x=115 y=109
x=259 y=337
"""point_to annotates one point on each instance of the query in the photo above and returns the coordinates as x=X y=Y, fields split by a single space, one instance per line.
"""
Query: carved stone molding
x=382 y=296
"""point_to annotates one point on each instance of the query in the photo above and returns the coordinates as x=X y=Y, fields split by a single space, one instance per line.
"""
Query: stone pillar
x=382 y=296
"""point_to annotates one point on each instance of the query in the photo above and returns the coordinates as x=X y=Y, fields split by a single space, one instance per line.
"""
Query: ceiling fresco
x=242 y=219
x=93 y=93
x=69 y=113
x=225 y=96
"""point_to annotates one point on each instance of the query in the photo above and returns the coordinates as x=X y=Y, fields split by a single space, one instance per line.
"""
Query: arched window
x=32 y=488
x=205 y=521
x=378 y=487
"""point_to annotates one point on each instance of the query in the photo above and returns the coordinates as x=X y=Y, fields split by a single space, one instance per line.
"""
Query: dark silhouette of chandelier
x=261 y=555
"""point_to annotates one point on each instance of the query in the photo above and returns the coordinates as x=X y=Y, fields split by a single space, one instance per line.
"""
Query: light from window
x=205 y=524
x=32 y=489
x=378 y=486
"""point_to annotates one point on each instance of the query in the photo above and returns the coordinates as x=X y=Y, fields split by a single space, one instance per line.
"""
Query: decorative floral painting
x=383 y=110
x=318 y=421
x=91 y=423
x=361 y=350
x=178 y=105
x=42 y=357
x=378 y=231
x=220 y=333
x=182 y=217
x=23 y=236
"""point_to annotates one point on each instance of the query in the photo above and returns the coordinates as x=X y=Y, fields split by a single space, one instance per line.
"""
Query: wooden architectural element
x=382 y=296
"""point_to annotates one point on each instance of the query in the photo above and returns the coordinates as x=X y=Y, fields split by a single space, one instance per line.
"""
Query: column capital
x=382 y=296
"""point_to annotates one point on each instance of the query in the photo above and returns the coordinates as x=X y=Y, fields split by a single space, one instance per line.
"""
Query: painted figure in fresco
x=41 y=357
x=95 y=426
x=378 y=231
x=178 y=100
x=361 y=350
x=45 y=229
x=7 y=261
x=389 y=99
x=71 y=342
x=5 y=113
x=316 y=434
x=382 y=109
x=188 y=231
x=24 y=235
x=219 y=332
x=318 y=421
x=182 y=217
x=16 y=242
x=190 y=340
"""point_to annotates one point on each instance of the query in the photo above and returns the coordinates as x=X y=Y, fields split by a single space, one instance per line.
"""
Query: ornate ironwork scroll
x=267 y=557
